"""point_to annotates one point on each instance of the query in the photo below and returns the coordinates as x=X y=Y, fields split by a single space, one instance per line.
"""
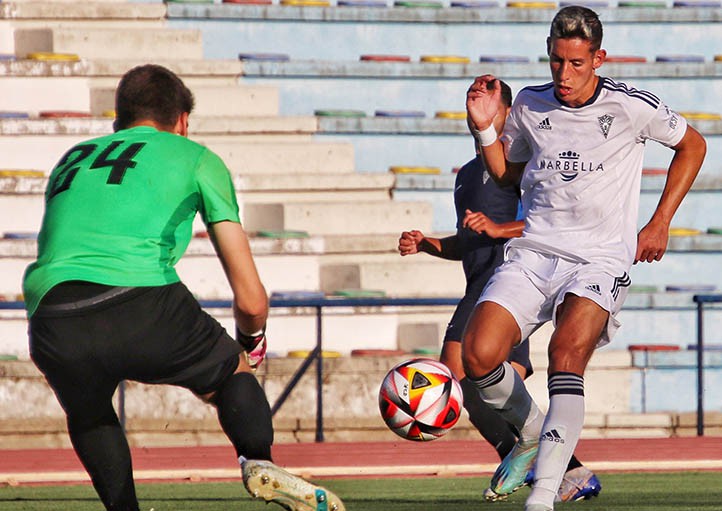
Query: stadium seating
x=298 y=169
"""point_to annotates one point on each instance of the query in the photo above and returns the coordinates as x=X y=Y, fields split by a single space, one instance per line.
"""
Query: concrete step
x=225 y=101
x=332 y=218
x=24 y=196
x=352 y=187
x=33 y=95
x=52 y=2
x=74 y=11
x=256 y=153
x=374 y=152
x=310 y=85
x=80 y=16
x=94 y=43
x=417 y=32
x=30 y=92
x=200 y=125
x=26 y=210
x=293 y=155
x=445 y=14
x=228 y=69
x=396 y=277
x=255 y=187
x=535 y=70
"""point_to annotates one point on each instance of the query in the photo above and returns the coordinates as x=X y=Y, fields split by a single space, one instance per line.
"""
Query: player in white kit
x=576 y=146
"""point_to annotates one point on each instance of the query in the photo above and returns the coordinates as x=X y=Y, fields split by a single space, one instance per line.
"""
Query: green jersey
x=119 y=210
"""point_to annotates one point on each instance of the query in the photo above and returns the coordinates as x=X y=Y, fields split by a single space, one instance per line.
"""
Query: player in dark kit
x=486 y=217
x=105 y=303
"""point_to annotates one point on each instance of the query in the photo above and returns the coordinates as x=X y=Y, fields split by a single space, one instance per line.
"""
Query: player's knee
x=480 y=358
x=568 y=357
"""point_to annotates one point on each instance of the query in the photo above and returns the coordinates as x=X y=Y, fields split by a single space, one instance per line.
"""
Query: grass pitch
x=668 y=491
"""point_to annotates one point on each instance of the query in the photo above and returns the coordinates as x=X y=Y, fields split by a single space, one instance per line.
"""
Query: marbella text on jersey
x=569 y=161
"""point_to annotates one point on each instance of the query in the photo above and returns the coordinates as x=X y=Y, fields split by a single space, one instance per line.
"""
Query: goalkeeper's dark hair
x=151 y=92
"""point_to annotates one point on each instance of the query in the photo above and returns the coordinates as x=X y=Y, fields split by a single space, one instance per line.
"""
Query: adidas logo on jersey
x=544 y=125
x=552 y=436
x=594 y=288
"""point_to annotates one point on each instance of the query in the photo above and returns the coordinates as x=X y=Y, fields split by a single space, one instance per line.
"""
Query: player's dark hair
x=506 y=96
x=505 y=91
x=579 y=22
x=151 y=92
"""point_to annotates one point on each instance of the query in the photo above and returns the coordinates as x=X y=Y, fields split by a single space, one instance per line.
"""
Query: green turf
x=684 y=491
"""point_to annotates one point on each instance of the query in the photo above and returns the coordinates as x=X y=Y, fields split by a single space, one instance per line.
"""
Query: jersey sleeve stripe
x=643 y=95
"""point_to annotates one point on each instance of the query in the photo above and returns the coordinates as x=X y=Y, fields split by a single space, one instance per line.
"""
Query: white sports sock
x=560 y=434
x=504 y=390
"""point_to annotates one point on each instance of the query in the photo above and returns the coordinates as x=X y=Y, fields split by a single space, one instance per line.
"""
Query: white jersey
x=581 y=184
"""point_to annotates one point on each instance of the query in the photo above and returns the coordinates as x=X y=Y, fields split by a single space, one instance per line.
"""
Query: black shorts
x=88 y=345
x=465 y=307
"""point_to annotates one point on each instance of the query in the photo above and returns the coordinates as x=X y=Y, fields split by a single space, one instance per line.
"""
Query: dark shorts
x=87 y=339
x=465 y=307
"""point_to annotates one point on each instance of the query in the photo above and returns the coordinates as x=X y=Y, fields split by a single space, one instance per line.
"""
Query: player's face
x=573 y=65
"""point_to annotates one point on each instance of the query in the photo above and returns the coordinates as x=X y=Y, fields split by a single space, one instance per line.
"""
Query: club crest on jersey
x=605 y=122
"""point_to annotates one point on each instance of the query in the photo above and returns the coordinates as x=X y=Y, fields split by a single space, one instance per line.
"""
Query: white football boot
x=268 y=482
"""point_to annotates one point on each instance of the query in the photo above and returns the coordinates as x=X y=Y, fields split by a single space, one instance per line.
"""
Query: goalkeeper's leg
x=245 y=416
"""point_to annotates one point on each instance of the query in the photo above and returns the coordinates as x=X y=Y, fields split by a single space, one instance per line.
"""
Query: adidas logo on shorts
x=594 y=288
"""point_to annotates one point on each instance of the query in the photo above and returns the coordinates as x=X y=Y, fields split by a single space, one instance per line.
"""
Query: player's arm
x=483 y=103
x=480 y=223
x=250 y=301
x=413 y=242
x=688 y=157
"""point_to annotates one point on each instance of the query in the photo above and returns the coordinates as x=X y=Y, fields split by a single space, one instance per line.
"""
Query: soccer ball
x=420 y=399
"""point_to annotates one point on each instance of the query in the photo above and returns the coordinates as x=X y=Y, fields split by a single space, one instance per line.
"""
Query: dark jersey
x=476 y=191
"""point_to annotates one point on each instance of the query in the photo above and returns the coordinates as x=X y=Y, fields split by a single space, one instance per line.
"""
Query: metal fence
x=315 y=355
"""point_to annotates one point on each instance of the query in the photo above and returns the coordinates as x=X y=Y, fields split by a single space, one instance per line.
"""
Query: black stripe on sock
x=565 y=383
x=491 y=378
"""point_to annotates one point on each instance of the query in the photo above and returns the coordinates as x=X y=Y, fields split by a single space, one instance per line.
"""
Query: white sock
x=560 y=434
x=504 y=390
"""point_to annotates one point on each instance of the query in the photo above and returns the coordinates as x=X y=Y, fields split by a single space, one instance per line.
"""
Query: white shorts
x=531 y=285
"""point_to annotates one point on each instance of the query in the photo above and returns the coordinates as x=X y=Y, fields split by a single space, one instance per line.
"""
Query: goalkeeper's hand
x=254 y=345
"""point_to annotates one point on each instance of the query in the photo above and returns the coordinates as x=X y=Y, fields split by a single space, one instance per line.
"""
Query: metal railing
x=701 y=300
x=315 y=355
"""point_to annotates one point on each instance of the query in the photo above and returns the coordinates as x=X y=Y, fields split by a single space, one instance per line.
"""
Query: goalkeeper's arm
x=250 y=301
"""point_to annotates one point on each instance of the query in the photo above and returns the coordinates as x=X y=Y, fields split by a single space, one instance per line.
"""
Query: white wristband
x=260 y=332
x=487 y=136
